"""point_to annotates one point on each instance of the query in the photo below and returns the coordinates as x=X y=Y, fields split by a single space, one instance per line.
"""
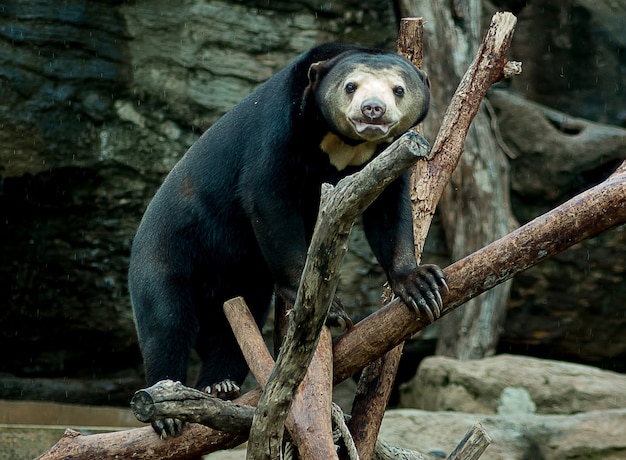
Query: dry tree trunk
x=474 y=208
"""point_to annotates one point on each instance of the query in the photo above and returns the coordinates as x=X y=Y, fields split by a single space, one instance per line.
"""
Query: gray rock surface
x=595 y=435
x=581 y=411
x=478 y=386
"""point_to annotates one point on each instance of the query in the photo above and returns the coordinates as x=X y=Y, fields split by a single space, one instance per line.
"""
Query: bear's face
x=366 y=99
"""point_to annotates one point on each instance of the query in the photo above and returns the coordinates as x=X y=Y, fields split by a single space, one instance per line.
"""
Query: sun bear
x=235 y=215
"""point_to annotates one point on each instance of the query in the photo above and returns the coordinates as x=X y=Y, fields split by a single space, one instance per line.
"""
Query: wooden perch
x=260 y=361
x=428 y=180
x=586 y=215
x=377 y=379
x=486 y=69
x=145 y=444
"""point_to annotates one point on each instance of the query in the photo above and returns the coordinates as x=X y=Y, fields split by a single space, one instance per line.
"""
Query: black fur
x=234 y=218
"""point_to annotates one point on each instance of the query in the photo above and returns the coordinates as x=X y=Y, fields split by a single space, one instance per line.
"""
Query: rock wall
x=98 y=99
x=573 y=56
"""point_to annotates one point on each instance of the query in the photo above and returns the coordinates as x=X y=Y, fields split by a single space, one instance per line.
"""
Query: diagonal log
x=428 y=180
x=319 y=279
x=584 y=216
x=309 y=420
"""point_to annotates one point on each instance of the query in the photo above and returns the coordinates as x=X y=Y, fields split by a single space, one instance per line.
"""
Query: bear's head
x=366 y=99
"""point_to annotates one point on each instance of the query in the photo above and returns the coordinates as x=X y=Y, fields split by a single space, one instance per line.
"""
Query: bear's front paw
x=168 y=427
x=226 y=389
x=420 y=289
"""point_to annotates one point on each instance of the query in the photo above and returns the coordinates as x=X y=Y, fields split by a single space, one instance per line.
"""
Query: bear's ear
x=316 y=70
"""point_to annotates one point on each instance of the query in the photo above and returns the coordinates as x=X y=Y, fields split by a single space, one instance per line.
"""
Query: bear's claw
x=165 y=427
x=420 y=289
x=226 y=389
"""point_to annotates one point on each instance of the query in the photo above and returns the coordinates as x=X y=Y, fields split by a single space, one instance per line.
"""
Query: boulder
x=570 y=50
x=595 y=435
x=485 y=386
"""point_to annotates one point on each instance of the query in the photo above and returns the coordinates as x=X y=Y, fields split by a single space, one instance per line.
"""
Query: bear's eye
x=350 y=88
x=398 y=91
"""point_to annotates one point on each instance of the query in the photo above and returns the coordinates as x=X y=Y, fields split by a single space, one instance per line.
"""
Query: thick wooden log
x=594 y=211
x=584 y=216
x=310 y=411
x=309 y=420
x=428 y=180
x=260 y=361
x=372 y=395
x=338 y=209
x=169 y=399
x=145 y=444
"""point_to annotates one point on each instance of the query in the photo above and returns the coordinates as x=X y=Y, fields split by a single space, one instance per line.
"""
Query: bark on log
x=338 y=209
x=475 y=208
x=309 y=420
x=584 y=216
x=432 y=177
x=145 y=444
x=173 y=399
x=472 y=446
x=373 y=391
x=260 y=361
x=310 y=411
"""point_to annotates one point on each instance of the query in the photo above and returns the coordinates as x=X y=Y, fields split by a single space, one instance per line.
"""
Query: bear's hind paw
x=226 y=389
x=165 y=427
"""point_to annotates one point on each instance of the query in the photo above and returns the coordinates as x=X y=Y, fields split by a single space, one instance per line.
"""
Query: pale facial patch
x=342 y=155
x=379 y=85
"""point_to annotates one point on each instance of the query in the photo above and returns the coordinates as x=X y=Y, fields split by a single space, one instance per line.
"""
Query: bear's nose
x=373 y=108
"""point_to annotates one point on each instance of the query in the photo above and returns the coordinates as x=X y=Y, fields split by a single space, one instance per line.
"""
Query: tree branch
x=377 y=379
x=173 y=399
x=584 y=216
